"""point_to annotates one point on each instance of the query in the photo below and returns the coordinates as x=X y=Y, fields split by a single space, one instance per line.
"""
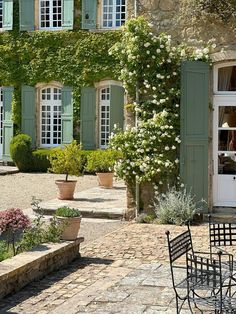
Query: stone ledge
x=20 y=270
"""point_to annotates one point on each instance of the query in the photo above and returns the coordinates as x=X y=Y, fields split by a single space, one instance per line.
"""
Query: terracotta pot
x=65 y=189
x=72 y=226
x=105 y=179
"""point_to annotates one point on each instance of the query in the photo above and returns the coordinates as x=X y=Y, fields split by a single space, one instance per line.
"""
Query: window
x=50 y=14
x=1 y=13
x=113 y=13
x=104 y=117
x=50 y=116
x=1 y=117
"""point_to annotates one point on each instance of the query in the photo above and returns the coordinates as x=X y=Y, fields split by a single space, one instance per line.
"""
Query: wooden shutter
x=7 y=14
x=7 y=122
x=28 y=106
x=67 y=115
x=88 y=118
x=194 y=127
x=68 y=14
x=89 y=14
x=117 y=107
x=27 y=11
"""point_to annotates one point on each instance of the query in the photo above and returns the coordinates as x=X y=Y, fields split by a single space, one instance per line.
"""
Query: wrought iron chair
x=178 y=248
x=207 y=284
x=222 y=235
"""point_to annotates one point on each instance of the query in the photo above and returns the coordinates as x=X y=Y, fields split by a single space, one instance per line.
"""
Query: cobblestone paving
x=124 y=272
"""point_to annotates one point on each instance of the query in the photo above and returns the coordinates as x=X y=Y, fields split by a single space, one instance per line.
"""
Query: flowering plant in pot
x=70 y=219
x=66 y=160
x=102 y=163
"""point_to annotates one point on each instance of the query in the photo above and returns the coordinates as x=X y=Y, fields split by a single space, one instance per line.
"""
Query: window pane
x=227 y=79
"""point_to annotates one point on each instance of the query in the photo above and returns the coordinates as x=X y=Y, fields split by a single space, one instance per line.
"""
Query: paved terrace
x=124 y=272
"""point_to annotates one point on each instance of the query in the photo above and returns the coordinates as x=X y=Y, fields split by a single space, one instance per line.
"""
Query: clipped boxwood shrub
x=41 y=162
x=21 y=152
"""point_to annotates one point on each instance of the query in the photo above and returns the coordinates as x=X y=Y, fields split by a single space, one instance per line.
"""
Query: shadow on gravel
x=35 y=288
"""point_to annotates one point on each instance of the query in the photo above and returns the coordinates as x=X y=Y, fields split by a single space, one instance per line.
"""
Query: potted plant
x=102 y=163
x=66 y=160
x=70 y=218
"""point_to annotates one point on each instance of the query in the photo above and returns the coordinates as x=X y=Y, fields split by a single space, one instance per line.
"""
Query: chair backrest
x=203 y=273
x=179 y=245
x=221 y=234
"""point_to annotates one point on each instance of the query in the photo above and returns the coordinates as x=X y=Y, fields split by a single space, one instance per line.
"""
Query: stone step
x=221 y=217
x=4 y=169
x=93 y=203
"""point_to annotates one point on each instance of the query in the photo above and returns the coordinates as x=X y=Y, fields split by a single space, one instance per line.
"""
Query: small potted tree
x=66 y=160
x=102 y=163
x=70 y=219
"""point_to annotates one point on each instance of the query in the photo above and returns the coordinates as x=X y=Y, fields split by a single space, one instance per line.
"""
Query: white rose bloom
x=167 y=148
x=206 y=50
x=158 y=50
x=146 y=45
x=176 y=161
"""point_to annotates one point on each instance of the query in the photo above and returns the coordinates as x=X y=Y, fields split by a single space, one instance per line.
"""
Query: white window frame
x=107 y=104
x=51 y=16
x=113 y=15
x=215 y=78
x=50 y=103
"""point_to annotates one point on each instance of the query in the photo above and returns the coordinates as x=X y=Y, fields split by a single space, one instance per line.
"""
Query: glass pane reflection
x=227 y=163
x=227 y=117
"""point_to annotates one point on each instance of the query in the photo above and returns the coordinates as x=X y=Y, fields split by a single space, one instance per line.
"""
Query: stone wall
x=26 y=267
x=182 y=20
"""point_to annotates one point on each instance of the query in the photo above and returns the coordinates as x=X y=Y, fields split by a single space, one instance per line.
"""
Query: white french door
x=224 y=150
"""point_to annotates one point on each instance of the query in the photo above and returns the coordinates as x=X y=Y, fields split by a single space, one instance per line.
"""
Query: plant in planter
x=66 y=160
x=70 y=218
x=102 y=163
x=11 y=221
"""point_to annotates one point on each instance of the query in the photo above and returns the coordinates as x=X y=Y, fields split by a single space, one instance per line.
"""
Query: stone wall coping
x=19 y=266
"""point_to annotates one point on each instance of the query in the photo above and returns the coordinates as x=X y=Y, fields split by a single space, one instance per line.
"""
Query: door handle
x=234 y=178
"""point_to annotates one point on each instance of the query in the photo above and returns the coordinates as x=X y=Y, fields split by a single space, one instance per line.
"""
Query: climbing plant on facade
x=152 y=64
x=76 y=59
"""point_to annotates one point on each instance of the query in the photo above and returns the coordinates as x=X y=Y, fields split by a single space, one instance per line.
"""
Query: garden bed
x=20 y=270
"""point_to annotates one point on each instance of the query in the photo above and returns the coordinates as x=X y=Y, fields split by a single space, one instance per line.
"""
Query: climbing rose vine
x=152 y=64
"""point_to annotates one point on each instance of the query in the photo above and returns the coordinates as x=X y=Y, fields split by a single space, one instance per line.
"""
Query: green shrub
x=21 y=152
x=41 y=161
x=175 y=207
x=66 y=211
x=84 y=159
x=102 y=161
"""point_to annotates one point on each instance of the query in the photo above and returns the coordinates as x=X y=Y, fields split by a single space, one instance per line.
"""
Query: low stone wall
x=26 y=267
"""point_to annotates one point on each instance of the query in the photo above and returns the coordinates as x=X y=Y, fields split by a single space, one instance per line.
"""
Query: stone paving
x=124 y=272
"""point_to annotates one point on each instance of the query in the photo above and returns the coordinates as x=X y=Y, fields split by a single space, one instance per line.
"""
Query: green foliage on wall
x=74 y=58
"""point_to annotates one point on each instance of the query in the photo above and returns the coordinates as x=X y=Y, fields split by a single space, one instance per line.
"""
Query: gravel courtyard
x=17 y=189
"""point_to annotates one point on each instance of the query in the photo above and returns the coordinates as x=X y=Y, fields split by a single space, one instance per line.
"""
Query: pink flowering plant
x=11 y=221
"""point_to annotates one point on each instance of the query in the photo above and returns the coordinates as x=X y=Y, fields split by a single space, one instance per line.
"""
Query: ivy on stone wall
x=74 y=58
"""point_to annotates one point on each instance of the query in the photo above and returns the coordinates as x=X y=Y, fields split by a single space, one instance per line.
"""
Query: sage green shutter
x=88 y=118
x=68 y=14
x=117 y=107
x=7 y=14
x=67 y=115
x=194 y=127
x=28 y=112
x=89 y=14
x=7 y=124
x=27 y=11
